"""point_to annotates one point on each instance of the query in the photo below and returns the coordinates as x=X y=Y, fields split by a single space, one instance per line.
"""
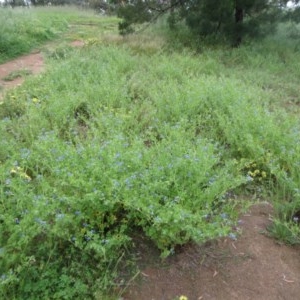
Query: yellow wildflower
x=13 y=171
x=20 y=172
x=252 y=174
x=183 y=297
x=25 y=176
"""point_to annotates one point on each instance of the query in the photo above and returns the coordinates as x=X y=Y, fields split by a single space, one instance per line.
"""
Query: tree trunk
x=239 y=17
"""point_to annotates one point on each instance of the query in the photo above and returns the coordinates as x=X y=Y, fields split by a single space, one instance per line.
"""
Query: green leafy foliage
x=231 y=20
x=115 y=140
x=221 y=18
x=105 y=164
x=136 y=12
x=22 y=30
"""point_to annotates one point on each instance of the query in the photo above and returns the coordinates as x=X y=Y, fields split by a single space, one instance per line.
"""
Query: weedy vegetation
x=23 y=30
x=16 y=74
x=119 y=138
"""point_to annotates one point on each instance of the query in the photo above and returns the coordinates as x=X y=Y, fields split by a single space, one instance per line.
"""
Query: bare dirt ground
x=252 y=267
x=32 y=62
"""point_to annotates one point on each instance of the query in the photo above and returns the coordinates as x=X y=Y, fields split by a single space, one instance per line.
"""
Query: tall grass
x=121 y=139
x=21 y=30
x=24 y=29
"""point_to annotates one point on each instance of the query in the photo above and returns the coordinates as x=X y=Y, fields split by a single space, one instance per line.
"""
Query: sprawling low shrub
x=111 y=142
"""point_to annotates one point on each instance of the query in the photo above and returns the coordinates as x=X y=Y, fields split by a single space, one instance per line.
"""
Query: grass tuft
x=16 y=74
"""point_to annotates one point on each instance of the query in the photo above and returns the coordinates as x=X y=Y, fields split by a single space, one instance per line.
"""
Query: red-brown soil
x=33 y=63
x=252 y=267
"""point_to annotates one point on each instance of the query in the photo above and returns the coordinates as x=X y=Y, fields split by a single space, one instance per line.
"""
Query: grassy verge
x=24 y=29
x=120 y=137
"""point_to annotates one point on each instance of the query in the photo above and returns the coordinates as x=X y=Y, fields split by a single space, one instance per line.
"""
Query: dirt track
x=33 y=63
x=254 y=267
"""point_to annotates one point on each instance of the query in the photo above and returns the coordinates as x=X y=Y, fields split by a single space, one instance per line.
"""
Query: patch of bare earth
x=32 y=62
x=252 y=267
x=77 y=43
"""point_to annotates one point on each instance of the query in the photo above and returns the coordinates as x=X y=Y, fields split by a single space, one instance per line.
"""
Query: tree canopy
x=229 y=18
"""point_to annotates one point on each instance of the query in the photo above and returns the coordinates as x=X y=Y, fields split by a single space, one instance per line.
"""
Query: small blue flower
x=60 y=158
x=40 y=221
x=297 y=191
x=6 y=119
x=211 y=180
x=87 y=238
x=37 y=197
x=39 y=177
x=224 y=216
x=157 y=220
x=176 y=199
x=25 y=153
x=60 y=216
x=3 y=277
x=232 y=236
x=249 y=178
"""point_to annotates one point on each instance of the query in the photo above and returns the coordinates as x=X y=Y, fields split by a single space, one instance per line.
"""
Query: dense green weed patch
x=23 y=29
x=120 y=139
